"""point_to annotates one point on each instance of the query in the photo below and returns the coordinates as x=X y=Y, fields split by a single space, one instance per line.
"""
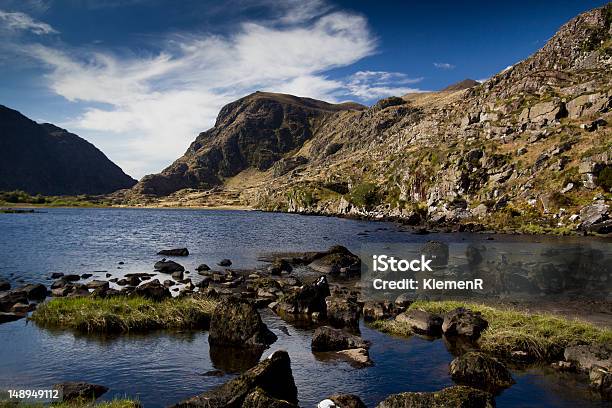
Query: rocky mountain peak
x=458 y=86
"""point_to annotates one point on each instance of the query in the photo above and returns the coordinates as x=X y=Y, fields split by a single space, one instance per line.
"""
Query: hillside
x=44 y=159
x=529 y=149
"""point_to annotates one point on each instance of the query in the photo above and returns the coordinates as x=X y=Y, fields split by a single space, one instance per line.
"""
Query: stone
x=585 y=105
x=335 y=261
x=260 y=399
x=237 y=323
x=478 y=370
x=306 y=300
x=456 y=397
x=97 y=284
x=437 y=251
x=165 y=266
x=225 y=262
x=271 y=380
x=327 y=338
x=153 y=290
x=378 y=310
x=464 y=322
x=34 y=291
x=404 y=300
x=4 y=285
x=421 y=322
x=280 y=265
x=72 y=391
x=359 y=357
x=56 y=275
x=593 y=214
x=346 y=401
x=342 y=312
x=174 y=252
x=178 y=275
x=587 y=356
x=86 y=276
x=601 y=381
x=203 y=268
x=8 y=299
x=6 y=317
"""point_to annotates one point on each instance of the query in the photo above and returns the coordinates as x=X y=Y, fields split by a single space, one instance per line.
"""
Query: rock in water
x=336 y=261
x=153 y=290
x=237 y=323
x=588 y=356
x=225 y=262
x=270 y=382
x=464 y=322
x=4 y=285
x=345 y=401
x=327 y=338
x=165 y=266
x=34 y=291
x=421 y=322
x=174 y=252
x=307 y=300
x=455 y=397
x=343 y=312
x=72 y=391
x=203 y=268
x=481 y=371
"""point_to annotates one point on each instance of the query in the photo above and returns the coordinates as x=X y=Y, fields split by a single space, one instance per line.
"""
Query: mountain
x=465 y=84
x=45 y=159
x=529 y=149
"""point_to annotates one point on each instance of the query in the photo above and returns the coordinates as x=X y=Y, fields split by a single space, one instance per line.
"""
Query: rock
x=421 y=322
x=72 y=391
x=456 y=397
x=464 y=322
x=481 y=371
x=335 y=261
x=168 y=266
x=56 y=275
x=586 y=105
x=271 y=382
x=178 y=275
x=71 y=278
x=97 y=284
x=34 y=291
x=4 y=285
x=21 y=308
x=168 y=283
x=359 y=357
x=86 y=276
x=378 y=310
x=593 y=214
x=346 y=401
x=306 y=300
x=404 y=300
x=587 y=356
x=61 y=292
x=342 y=312
x=6 y=317
x=174 y=252
x=438 y=252
x=153 y=290
x=225 y=262
x=601 y=381
x=280 y=265
x=8 y=299
x=203 y=268
x=327 y=338
x=237 y=323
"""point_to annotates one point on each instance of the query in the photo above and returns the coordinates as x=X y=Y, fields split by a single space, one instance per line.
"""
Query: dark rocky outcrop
x=456 y=397
x=174 y=252
x=74 y=391
x=33 y=291
x=464 y=322
x=327 y=338
x=305 y=301
x=480 y=371
x=42 y=158
x=269 y=382
x=165 y=266
x=237 y=323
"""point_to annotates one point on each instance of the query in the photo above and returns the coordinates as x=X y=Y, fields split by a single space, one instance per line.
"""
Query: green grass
x=10 y=198
x=542 y=336
x=124 y=314
x=115 y=403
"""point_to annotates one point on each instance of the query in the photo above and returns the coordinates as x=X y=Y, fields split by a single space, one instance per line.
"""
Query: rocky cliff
x=529 y=149
x=44 y=159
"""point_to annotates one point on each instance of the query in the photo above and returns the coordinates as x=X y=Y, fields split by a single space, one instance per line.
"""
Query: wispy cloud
x=443 y=65
x=157 y=102
x=22 y=22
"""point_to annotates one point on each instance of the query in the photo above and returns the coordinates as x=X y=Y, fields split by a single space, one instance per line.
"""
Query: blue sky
x=140 y=78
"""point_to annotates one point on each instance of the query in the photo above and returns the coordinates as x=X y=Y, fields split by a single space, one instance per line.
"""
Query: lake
x=162 y=368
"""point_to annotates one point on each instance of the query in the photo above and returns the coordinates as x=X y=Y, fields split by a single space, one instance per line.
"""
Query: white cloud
x=20 y=21
x=443 y=65
x=157 y=103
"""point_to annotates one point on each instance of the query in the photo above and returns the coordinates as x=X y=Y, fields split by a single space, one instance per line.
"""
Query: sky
x=141 y=78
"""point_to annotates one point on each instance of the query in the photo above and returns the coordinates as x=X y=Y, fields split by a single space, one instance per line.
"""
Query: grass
x=542 y=336
x=124 y=314
x=11 y=198
x=115 y=403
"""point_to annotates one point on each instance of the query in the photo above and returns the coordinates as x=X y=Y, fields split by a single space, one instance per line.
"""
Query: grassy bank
x=542 y=336
x=123 y=314
x=21 y=198
x=116 y=403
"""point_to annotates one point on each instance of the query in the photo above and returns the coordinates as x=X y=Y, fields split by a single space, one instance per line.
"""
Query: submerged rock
x=72 y=391
x=237 y=323
x=456 y=397
x=271 y=381
x=481 y=371
x=464 y=322
x=174 y=252
x=165 y=266
x=421 y=322
x=327 y=338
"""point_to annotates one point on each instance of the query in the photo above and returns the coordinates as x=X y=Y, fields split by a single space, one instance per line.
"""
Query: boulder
x=279 y=265
x=86 y=275
x=464 y=322
x=404 y=300
x=345 y=401
x=34 y=291
x=271 y=380
x=306 y=300
x=174 y=252
x=225 y=262
x=72 y=391
x=203 y=268
x=421 y=322
x=97 y=285
x=585 y=357
x=336 y=261
x=153 y=290
x=56 y=275
x=71 y=277
x=165 y=266
x=327 y=338
x=594 y=214
x=260 y=399
x=4 y=285
x=178 y=275
x=237 y=323
x=8 y=299
x=601 y=381
x=378 y=310
x=342 y=312
x=6 y=317
x=358 y=357
x=457 y=397
x=481 y=371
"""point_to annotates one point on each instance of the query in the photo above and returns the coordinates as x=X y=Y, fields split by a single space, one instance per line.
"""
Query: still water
x=162 y=368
